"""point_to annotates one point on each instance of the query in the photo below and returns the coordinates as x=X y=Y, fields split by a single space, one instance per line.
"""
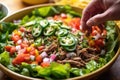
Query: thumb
x=99 y=18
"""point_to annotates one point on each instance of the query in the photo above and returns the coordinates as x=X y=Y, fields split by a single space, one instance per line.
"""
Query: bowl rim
x=2 y=67
x=7 y=9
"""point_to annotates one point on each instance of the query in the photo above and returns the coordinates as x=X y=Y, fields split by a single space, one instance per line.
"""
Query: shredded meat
x=78 y=49
x=88 y=53
x=51 y=47
x=78 y=59
x=28 y=34
x=61 y=54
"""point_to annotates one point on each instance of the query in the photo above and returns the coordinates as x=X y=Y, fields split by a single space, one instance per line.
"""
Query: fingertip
x=90 y=22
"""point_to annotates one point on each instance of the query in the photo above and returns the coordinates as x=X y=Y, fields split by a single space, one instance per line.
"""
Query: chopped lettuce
x=2 y=46
x=111 y=40
x=75 y=72
x=29 y=20
x=52 y=10
x=25 y=72
x=13 y=68
x=55 y=70
x=5 y=58
x=60 y=71
x=92 y=65
x=7 y=26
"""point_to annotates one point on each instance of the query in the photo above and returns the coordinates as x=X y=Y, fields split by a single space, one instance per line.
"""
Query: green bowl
x=23 y=12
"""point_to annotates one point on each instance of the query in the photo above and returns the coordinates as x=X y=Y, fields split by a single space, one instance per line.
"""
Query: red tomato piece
x=12 y=50
x=75 y=23
x=32 y=52
x=99 y=42
x=94 y=33
x=104 y=33
x=21 y=58
x=96 y=28
x=7 y=48
x=22 y=51
x=41 y=48
x=56 y=17
x=15 y=37
x=24 y=45
x=22 y=29
x=45 y=64
x=38 y=59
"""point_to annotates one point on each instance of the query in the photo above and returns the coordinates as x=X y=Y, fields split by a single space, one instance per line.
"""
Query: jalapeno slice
x=65 y=27
x=49 y=30
x=70 y=48
x=36 y=30
x=44 y=23
x=30 y=23
x=38 y=42
x=61 y=32
x=67 y=40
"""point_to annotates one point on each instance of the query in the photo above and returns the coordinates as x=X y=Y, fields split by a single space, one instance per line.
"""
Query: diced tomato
x=99 y=42
x=22 y=51
x=21 y=58
x=75 y=23
x=56 y=17
x=45 y=64
x=7 y=48
x=15 y=37
x=12 y=50
x=32 y=52
x=96 y=28
x=104 y=33
x=22 y=29
x=41 y=48
x=24 y=45
x=94 y=33
x=63 y=15
x=38 y=59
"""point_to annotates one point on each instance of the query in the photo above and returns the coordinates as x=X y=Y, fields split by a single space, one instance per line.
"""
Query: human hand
x=99 y=11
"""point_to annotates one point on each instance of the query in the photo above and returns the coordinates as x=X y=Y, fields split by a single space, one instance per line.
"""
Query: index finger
x=93 y=8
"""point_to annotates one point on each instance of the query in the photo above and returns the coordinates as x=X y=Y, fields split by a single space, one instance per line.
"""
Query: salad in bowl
x=48 y=43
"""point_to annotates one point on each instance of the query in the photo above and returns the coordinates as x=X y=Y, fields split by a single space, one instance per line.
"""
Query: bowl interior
x=4 y=9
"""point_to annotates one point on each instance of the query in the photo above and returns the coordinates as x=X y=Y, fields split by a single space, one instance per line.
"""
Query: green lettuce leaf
x=5 y=58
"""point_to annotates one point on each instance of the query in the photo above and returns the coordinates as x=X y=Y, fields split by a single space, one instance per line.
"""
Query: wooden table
x=112 y=74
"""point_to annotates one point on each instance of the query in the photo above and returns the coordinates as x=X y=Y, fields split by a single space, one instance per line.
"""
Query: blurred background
x=14 y=5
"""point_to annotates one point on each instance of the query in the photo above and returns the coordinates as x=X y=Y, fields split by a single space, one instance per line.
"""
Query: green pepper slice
x=65 y=27
x=36 y=30
x=70 y=48
x=61 y=32
x=44 y=23
x=67 y=40
x=30 y=23
x=38 y=42
x=50 y=30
